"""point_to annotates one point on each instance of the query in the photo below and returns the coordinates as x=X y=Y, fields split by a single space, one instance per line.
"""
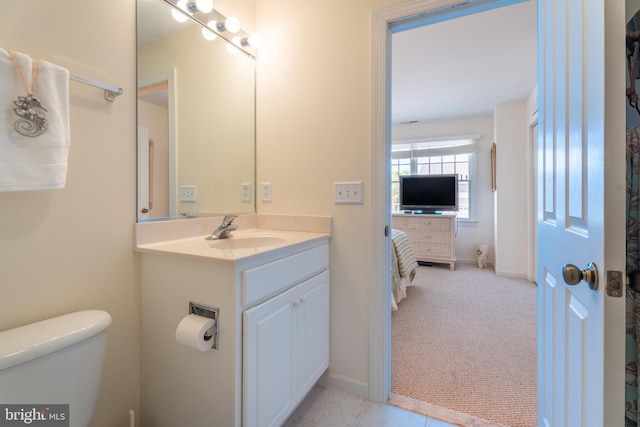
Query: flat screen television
x=429 y=193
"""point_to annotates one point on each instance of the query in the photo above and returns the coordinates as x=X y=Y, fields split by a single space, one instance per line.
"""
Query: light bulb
x=232 y=49
x=177 y=15
x=232 y=24
x=204 y=6
x=208 y=33
x=255 y=40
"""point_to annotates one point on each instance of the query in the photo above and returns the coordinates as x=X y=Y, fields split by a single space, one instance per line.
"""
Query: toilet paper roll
x=196 y=332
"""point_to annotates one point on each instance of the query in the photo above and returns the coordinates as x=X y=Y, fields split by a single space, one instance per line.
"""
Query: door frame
x=168 y=75
x=532 y=187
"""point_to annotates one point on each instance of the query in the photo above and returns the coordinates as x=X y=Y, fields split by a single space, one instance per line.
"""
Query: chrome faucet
x=224 y=229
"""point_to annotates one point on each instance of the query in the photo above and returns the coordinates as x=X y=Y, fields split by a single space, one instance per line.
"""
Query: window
x=436 y=158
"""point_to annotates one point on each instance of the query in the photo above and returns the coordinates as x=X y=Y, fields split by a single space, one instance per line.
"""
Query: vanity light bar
x=245 y=48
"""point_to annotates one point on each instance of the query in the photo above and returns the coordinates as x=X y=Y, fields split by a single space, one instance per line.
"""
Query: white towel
x=40 y=162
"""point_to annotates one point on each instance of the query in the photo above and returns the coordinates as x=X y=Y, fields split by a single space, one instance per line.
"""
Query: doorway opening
x=157 y=151
x=409 y=20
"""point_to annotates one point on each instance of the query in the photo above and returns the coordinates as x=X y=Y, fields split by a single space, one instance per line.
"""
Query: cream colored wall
x=71 y=249
x=511 y=198
x=469 y=234
x=314 y=128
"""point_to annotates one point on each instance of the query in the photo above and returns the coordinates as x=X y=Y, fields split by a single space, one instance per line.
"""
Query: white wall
x=512 y=241
x=481 y=230
x=71 y=249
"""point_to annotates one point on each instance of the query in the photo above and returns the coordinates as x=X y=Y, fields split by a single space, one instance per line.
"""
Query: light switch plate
x=348 y=192
x=265 y=192
x=246 y=191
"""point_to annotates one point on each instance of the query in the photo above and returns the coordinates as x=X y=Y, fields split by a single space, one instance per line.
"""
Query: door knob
x=572 y=275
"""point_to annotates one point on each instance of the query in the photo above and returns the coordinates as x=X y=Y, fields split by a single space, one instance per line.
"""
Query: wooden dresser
x=433 y=236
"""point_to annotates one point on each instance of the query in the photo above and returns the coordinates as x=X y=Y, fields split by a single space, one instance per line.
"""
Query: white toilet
x=55 y=361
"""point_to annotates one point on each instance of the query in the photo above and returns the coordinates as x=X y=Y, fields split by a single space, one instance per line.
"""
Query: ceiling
x=464 y=67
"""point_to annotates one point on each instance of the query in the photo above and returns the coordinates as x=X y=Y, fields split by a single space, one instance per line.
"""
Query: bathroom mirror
x=196 y=120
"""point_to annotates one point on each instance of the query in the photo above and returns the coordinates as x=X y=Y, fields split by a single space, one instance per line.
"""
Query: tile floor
x=327 y=407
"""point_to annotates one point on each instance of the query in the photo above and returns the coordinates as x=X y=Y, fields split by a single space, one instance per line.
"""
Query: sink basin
x=244 y=242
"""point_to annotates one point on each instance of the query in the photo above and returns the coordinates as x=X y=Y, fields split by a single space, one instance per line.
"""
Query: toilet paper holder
x=210 y=312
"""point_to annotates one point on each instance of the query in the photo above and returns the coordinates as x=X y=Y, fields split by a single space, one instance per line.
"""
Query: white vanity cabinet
x=273 y=341
x=286 y=350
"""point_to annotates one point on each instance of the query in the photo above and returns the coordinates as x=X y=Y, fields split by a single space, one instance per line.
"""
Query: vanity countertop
x=245 y=243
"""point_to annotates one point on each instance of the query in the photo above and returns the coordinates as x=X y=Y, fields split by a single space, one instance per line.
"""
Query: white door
x=580 y=375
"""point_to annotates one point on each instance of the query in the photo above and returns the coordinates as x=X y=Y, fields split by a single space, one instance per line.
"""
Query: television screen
x=429 y=193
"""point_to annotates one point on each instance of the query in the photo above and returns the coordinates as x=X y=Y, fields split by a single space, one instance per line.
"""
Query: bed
x=403 y=268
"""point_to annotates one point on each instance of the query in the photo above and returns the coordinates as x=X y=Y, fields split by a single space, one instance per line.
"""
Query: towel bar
x=110 y=92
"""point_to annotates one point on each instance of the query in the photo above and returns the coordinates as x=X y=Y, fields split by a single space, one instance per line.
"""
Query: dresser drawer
x=406 y=222
x=431 y=223
x=425 y=234
x=430 y=250
x=269 y=279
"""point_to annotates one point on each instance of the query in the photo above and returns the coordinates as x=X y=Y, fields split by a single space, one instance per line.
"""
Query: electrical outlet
x=188 y=193
x=265 y=192
x=246 y=191
x=348 y=192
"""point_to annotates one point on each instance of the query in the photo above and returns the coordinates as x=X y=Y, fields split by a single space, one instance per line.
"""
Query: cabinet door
x=269 y=361
x=313 y=330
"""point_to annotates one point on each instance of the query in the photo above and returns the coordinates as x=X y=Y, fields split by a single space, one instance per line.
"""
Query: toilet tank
x=55 y=361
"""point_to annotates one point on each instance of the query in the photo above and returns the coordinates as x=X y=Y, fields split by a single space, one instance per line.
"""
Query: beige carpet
x=466 y=340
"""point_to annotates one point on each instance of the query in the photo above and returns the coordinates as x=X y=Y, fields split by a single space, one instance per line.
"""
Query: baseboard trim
x=346 y=384
x=512 y=274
